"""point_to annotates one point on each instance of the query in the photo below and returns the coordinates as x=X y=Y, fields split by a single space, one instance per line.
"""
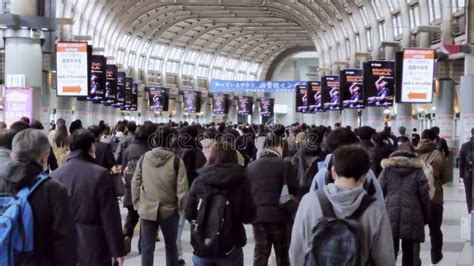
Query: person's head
x=339 y=137
x=3 y=126
x=83 y=141
x=436 y=130
x=366 y=133
x=163 y=137
x=132 y=126
x=26 y=120
x=19 y=126
x=76 y=125
x=35 y=124
x=273 y=142
x=120 y=127
x=60 y=121
x=222 y=153
x=406 y=146
x=145 y=131
x=6 y=138
x=379 y=138
x=60 y=138
x=96 y=131
x=472 y=131
x=31 y=146
x=350 y=162
x=402 y=131
x=415 y=130
x=337 y=125
x=429 y=134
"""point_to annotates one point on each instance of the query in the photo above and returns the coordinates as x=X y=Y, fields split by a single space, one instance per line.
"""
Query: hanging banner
x=330 y=89
x=121 y=91
x=134 y=105
x=158 y=98
x=128 y=93
x=17 y=103
x=98 y=79
x=417 y=75
x=72 y=69
x=352 y=90
x=315 y=97
x=301 y=99
x=245 y=105
x=219 y=104
x=266 y=107
x=191 y=101
x=379 y=83
x=110 y=85
x=253 y=86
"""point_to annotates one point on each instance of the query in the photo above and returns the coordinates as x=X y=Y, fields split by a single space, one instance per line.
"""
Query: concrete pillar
x=350 y=118
x=404 y=118
x=93 y=115
x=322 y=119
x=334 y=117
x=23 y=7
x=45 y=105
x=64 y=109
x=374 y=118
x=81 y=111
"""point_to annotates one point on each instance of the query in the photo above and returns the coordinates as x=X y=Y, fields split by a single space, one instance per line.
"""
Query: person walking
x=466 y=165
x=59 y=142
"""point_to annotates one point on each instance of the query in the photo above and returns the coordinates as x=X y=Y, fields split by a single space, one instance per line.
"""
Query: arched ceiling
x=252 y=30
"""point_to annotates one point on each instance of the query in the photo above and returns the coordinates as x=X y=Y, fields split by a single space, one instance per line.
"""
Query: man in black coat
x=55 y=238
x=466 y=165
x=95 y=208
x=441 y=143
x=103 y=151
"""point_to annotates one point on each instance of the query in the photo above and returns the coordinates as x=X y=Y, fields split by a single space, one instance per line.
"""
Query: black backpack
x=335 y=241
x=212 y=233
x=132 y=165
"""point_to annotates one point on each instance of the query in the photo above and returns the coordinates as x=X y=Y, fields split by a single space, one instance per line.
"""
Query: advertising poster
x=191 y=101
x=158 y=99
x=98 y=79
x=267 y=106
x=352 y=90
x=134 y=105
x=120 y=93
x=417 y=75
x=110 y=85
x=128 y=92
x=219 y=104
x=301 y=99
x=17 y=103
x=72 y=69
x=330 y=93
x=379 y=81
x=245 y=105
x=315 y=97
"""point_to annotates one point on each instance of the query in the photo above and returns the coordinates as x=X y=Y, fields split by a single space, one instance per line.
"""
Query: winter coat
x=466 y=159
x=266 y=179
x=157 y=190
x=207 y=145
x=440 y=169
x=60 y=152
x=95 y=209
x=380 y=152
x=123 y=145
x=406 y=195
x=377 y=244
x=54 y=233
x=233 y=178
x=5 y=157
x=194 y=160
x=133 y=152
x=306 y=163
x=104 y=155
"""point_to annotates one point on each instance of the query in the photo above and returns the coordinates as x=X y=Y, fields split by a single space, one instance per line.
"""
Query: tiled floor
x=457 y=252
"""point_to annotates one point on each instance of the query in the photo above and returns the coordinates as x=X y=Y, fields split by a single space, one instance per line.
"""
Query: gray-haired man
x=54 y=232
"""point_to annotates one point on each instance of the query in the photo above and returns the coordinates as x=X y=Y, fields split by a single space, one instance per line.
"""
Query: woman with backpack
x=220 y=203
x=407 y=199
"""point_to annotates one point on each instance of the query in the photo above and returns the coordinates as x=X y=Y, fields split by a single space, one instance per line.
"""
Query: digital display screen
x=331 y=93
x=191 y=101
x=219 y=104
x=315 y=97
x=110 y=85
x=301 y=99
x=158 y=98
x=98 y=79
x=352 y=88
x=72 y=69
x=379 y=81
x=245 y=105
x=120 y=93
x=417 y=75
x=266 y=107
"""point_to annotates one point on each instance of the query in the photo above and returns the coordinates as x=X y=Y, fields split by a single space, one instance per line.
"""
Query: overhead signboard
x=315 y=97
x=18 y=103
x=72 y=69
x=352 y=92
x=331 y=93
x=417 y=76
x=301 y=99
x=268 y=86
x=379 y=83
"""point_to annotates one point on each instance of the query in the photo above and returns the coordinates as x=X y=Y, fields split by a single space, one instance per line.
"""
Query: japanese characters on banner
x=352 y=90
x=301 y=99
x=245 y=105
x=315 y=97
x=72 y=69
x=98 y=79
x=330 y=89
x=17 y=103
x=468 y=124
x=379 y=83
x=417 y=77
x=253 y=86
x=445 y=123
x=267 y=106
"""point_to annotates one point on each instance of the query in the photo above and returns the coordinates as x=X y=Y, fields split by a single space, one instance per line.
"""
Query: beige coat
x=156 y=188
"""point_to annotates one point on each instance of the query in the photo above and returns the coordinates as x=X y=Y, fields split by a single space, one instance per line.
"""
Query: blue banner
x=253 y=86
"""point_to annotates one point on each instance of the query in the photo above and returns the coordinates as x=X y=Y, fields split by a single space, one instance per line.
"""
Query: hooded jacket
x=306 y=162
x=377 y=236
x=230 y=177
x=95 y=209
x=406 y=194
x=157 y=190
x=55 y=238
x=440 y=169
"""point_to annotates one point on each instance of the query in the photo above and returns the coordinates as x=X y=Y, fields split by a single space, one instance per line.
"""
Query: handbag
x=287 y=201
x=119 y=186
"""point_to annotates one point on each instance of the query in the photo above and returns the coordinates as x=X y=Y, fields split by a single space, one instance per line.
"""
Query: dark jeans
x=267 y=235
x=410 y=252
x=130 y=222
x=468 y=190
x=236 y=258
x=435 y=232
x=169 y=228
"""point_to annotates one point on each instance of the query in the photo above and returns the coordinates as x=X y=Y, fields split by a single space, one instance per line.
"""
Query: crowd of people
x=312 y=193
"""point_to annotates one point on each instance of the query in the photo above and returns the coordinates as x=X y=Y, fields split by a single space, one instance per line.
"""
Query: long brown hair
x=222 y=153
x=60 y=138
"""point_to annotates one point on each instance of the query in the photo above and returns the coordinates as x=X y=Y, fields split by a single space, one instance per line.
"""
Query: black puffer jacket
x=305 y=161
x=133 y=152
x=233 y=178
x=266 y=179
x=406 y=194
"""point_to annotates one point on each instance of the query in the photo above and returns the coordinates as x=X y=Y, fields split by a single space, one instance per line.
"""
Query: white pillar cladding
x=334 y=117
x=443 y=101
x=466 y=96
x=350 y=118
x=45 y=106
x=23 y=7
x=81 y=111
x=64 y=109
x=102 y=113
x=322 y=119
